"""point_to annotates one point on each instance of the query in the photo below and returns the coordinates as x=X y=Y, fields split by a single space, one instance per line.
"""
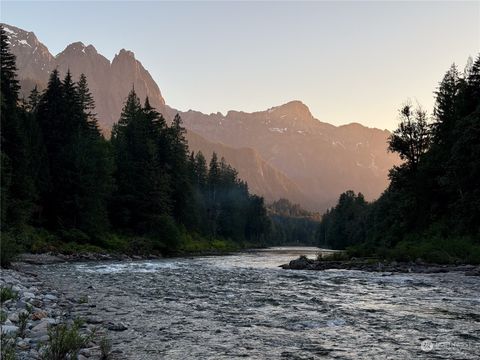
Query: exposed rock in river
x=303 y=263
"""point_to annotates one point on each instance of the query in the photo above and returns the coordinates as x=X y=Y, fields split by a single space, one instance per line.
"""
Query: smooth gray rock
x=13 y=317
x=28 y=295
x=40 y=329
x=9 y=329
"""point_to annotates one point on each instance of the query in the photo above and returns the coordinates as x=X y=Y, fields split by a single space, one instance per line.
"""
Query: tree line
x=431 y=209
x=62 y=179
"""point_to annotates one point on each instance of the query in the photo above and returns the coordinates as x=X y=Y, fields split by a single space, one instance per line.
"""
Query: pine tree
x=446 y=106
x=182 y=192
x=33 y=100
x=87 y=103
x=142 y=199
x=200 y=171
x=17 y=182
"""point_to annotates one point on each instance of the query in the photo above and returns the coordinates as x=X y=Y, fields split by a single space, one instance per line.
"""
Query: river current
x=245 y=306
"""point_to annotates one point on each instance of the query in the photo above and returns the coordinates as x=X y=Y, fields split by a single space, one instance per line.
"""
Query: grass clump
x=7 y=344
x=3 y=316
x=105 y=348
x=194 y=243
x=65 y=342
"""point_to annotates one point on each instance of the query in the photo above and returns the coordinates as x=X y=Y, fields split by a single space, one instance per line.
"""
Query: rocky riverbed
x=30 y=308
x=304 y=263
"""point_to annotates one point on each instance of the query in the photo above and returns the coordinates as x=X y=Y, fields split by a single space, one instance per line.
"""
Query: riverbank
x=373 y=265
x=55 y=257
x=37 y=321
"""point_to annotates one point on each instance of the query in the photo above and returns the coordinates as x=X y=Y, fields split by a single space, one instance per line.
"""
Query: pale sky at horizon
x=348 y=62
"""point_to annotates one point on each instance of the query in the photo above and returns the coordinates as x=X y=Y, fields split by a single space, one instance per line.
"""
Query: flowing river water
x=244 y=306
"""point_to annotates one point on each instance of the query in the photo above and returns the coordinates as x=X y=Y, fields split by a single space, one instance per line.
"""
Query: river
x=244 y=306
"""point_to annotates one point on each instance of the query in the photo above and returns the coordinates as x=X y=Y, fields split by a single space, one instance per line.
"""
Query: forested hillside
x=64 y=186
x=431 y=210
x=291 y=224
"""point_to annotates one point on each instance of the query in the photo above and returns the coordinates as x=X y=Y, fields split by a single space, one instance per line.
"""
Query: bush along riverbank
x=36 y=323
x=340 y=261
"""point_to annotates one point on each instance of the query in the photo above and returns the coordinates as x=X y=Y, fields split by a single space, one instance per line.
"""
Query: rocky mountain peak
x=20 y=38
x=77 y=49
x=124 y=54
x=293 y=110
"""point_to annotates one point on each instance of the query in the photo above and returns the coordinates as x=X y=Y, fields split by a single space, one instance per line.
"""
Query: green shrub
x=43 y=241
x=74 y=248
x=7 y=293
x=194 y=243
x=140 y=245
x=23 y=321
x=74 y=235
x=9 y=249
x=437 y=250
x=65 y=341
x=116 y=243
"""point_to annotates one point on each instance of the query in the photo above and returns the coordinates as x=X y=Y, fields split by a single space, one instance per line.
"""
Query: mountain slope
x=323 y=160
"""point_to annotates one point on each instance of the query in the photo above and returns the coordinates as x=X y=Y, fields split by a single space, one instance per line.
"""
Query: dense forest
x=65 y=187
x=291 y=224
x=431 y=210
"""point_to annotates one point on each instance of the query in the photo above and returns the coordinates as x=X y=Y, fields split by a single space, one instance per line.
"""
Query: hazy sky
x=349 y=62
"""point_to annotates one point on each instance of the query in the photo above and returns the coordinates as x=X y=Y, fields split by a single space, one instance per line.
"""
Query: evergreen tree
x=200 y=171
x=446 y=106
x=78 y=161
x=87 y=103
x=33 y=100
x=142 y=197
x=182 y=192
x=18 y=193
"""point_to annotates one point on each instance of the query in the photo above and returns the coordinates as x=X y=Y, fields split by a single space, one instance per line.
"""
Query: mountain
x=321 y=159
x=281 y=152
x=109 y=82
